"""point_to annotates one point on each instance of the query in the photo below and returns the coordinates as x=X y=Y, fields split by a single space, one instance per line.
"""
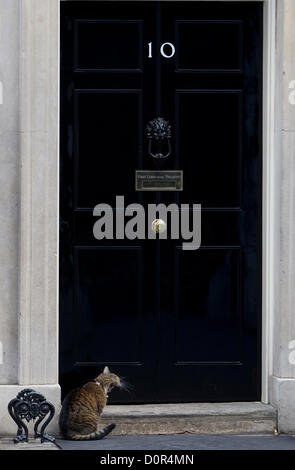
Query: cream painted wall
x=9 y=188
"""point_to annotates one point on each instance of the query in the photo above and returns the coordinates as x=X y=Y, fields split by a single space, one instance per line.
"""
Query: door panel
x=99 y=115
x=216 y=181
x=116 y=44
x=99 y=307
x=210 y=279
x=179 y=325
x=209 y=45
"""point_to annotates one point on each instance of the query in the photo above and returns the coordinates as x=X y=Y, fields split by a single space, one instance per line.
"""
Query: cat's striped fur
x=82 y=408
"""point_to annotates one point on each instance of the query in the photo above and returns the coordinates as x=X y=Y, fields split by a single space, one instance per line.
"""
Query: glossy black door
x=179 y=325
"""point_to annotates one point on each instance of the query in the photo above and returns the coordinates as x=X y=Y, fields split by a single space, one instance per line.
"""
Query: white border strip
x=270 y=216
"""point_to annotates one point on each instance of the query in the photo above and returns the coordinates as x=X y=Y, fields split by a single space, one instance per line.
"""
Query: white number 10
x=162 y=50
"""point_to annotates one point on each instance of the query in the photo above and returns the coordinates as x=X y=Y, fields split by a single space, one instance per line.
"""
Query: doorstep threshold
x=199 y=418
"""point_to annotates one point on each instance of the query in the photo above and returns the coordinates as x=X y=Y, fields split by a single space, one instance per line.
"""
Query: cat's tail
x=94 y=436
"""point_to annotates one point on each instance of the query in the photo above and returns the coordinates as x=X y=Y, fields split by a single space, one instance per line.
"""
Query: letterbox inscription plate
x=151 y=180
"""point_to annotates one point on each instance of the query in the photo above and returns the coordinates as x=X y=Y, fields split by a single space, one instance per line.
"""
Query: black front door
x=180 y=325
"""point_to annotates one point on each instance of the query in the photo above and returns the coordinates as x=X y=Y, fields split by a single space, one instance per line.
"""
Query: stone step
x=198 y=418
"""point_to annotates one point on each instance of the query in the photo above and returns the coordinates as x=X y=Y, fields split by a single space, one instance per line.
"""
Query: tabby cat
x=82 y=408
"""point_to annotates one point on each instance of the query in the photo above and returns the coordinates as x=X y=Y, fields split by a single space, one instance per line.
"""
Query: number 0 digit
x=172 y=50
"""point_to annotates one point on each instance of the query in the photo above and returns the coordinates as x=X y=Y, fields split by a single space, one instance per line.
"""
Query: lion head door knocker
x=158 y=132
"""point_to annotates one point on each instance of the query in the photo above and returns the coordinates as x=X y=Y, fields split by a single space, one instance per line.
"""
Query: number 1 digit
x=150 y=50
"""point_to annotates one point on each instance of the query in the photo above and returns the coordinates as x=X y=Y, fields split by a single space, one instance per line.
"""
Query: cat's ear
x=106 y=370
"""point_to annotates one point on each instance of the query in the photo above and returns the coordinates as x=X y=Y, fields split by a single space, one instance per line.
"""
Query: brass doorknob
x=159 y=226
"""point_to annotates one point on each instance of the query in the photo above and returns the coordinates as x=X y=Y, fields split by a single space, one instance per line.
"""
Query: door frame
x=39 y=212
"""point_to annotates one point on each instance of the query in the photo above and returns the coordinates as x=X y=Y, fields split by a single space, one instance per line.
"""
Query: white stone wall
x=29 y=181
x=282 y=383
x=9 y=188
x=39 y=203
